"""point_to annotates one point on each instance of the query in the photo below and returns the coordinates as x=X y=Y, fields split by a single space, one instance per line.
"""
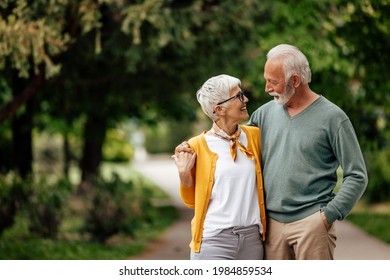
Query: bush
x=118 y=207
x=166 y=136
x=45 y=208
x=13 y=193
x=378 y=165
x=117 y=147
x=41 y=203
x=24 y=240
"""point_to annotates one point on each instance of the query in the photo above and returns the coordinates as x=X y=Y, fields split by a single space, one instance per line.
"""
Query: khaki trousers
x=305 y=239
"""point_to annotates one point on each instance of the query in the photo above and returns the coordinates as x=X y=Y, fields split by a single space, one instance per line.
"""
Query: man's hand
x=325 y=220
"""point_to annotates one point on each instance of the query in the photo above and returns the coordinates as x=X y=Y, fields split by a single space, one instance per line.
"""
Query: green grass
x=38 y=249
x=373 y=219
x=17 y=243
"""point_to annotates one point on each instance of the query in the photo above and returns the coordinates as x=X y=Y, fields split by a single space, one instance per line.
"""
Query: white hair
x=215 y=90
x=294 y=61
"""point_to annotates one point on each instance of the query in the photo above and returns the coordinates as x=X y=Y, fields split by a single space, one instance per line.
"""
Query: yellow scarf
x=234 y=142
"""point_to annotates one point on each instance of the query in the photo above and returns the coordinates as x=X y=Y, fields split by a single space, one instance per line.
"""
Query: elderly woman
x=222 y=179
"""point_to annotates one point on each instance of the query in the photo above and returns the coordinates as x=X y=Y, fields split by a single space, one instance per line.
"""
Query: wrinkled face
x=236 y=110
x=276 y=84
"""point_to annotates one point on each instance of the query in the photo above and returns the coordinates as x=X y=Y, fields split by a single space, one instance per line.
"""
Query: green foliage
x=14 y=192
x=71 y=242
x=47 y=249
x=120 y=207
x=5 y=149
x=378 y=165
x=145 y=59
x=40 y=202
x=346 y=43
x=34 y=32
x=27 y=37
x=45 y=208
x=110 y=209
x=376 y=224
x=164 y=137
x=117 y=147
x=48 y=153
x=360 y=29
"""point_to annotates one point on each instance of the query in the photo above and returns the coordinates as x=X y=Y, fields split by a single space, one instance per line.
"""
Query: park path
x=352 y=243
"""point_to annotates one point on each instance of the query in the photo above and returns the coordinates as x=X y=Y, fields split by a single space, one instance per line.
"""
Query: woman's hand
x=183 y=147
x=184 y=161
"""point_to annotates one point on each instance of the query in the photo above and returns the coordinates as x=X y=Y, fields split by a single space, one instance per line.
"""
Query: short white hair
x=294 y=61
x=215 y=90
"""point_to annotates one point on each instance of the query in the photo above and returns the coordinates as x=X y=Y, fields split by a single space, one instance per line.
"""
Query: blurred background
x=88 y=86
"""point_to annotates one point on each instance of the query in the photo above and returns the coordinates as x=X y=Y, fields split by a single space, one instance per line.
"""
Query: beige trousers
x=305 y=239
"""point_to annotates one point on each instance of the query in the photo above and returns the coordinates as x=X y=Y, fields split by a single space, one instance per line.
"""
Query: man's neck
x=300 y=101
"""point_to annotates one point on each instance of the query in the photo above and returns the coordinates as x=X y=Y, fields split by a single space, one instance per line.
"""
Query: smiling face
x=276 y=84
x=236 y=110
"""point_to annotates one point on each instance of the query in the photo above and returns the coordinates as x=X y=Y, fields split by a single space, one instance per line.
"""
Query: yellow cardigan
x=198 y=196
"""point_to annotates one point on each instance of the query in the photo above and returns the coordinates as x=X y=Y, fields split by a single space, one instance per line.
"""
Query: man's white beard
x=283 y=98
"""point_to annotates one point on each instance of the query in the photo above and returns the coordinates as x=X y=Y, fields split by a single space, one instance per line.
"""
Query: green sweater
x=300 y=158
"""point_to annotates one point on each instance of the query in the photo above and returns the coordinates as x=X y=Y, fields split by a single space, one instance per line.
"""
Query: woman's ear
x=220 y=110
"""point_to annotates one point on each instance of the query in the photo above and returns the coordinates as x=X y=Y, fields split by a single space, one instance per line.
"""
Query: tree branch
x=30 y=90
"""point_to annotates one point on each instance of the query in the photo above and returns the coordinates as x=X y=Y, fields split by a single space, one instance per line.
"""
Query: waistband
x=242 y=229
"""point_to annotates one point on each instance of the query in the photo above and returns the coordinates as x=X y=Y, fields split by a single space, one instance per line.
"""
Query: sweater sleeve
x=355 y=179
x=187 y=193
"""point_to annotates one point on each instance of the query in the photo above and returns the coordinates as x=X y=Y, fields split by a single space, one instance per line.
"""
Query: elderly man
x=305 y=138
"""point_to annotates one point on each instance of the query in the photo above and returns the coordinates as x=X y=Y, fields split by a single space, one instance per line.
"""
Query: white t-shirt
x=234 y=198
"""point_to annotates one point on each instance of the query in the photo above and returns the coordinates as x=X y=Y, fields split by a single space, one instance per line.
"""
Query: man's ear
x=296 y=80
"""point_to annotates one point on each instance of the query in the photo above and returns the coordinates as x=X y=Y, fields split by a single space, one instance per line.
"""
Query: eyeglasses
x=240 y=96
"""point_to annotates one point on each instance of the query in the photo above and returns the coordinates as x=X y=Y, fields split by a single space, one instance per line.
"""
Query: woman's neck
x=229 y=129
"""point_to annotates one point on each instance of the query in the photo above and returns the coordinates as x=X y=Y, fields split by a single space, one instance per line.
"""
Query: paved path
x=352 y=243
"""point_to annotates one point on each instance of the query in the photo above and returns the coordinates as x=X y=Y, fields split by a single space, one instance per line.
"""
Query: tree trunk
x=24 y=92
x=22 y=126
x=94 y=136
x=67 y=155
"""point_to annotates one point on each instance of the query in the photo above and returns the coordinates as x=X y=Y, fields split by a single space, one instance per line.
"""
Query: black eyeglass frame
x=241 y=96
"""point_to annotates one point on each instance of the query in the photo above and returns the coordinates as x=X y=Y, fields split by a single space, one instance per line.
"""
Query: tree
x=363 y=34
x=32 y=34
x=105 y=61
x=346 y=43
x=97 y=51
